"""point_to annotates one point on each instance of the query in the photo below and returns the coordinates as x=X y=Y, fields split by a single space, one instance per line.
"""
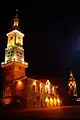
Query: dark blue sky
x=52 y=39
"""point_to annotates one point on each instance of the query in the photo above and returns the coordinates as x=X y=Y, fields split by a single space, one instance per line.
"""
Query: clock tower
x=14 y=64
x=72 y=85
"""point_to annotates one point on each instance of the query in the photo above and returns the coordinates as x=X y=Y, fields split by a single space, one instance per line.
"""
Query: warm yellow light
x=15 y=31
x=47 y=99
x=58 y=101
x=70 y=83
x=40 y=86
x=6 y=59
x=48 y=82
x=51 y=100
x=19 y=83
x=14 y=57
x=34 y=83
x=53 y=89
x=54 y=101
x=10 y=41
x=70 y=87
x=22 y=59
x=47 y=88
x=6 y=100
x=19 y=39
x=16 y=23
x=74 y=83
x=25 y=63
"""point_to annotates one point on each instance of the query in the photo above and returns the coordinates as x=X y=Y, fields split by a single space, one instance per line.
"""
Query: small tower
x=72 y=85
x=14 y=64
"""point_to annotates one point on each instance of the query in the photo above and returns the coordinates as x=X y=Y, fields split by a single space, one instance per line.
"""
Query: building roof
x=43 y=80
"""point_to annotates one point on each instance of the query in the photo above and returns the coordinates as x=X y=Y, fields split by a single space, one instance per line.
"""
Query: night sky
x=51 y=42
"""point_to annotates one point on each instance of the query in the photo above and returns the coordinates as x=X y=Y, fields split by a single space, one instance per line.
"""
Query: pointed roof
x=15 y=25
x=71 y=76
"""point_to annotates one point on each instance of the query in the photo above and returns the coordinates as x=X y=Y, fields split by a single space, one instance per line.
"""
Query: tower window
x=11 y=37
x=34 y=88
x=8 y=56
x=20 y=53
x=18 y=37
x=11 y=51
x=15 y=23
x=34 y=103
x=17 y=52
x=19 y=67
x=8 y=52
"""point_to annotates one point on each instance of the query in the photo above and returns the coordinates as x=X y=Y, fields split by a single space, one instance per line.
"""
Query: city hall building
x=17 y=88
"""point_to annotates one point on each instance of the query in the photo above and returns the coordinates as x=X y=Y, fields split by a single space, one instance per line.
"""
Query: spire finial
x=17 y=12
x=16 y=20
x=71 y=74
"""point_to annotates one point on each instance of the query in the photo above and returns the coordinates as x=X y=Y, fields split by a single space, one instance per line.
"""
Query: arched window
x=47 y=87
x=7 y=91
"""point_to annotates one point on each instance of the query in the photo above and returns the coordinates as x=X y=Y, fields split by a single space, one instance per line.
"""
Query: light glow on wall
x=19 y=39
x=46 y=99
x=34 y=83
x=58 y=101
x=14 y=57
x=20 y=85
x=55 y=102
x=10 y=42
x=6 y=100
x=53 y=90
x=6 y=59
x=51 y=102
x=22 y=60
x=41 y=87
x=34 y=86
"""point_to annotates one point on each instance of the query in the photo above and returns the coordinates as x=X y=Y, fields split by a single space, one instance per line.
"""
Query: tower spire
x=16 y=19
x=17 y=14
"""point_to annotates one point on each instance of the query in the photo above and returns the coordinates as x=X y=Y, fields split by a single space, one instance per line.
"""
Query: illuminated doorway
x=46 y=102
x=51 y=102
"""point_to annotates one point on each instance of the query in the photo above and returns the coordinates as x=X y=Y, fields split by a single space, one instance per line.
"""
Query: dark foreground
x=58 y=112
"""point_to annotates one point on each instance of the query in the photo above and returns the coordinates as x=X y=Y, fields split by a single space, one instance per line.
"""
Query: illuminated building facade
x=17 y=88
x=72 y=85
